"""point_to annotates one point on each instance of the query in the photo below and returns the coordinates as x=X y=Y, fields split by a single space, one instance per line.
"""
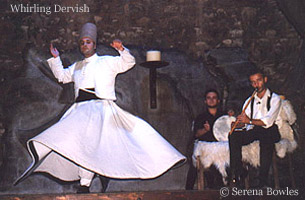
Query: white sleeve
x=124 y=62
x=62 y=75
x=275 y=106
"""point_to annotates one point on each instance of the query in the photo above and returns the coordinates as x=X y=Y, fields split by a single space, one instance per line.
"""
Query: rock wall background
x=208 y=43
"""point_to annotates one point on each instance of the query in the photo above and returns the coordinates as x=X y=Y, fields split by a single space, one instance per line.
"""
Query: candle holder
x=152 y=66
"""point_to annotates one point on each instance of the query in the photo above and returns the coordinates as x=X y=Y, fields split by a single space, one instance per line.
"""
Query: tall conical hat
x=89 y=30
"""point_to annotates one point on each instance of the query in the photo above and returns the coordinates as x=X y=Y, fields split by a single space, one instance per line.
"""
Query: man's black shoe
x=262 y=185
x=82 y=190
x=104 y=182
x=237 y=181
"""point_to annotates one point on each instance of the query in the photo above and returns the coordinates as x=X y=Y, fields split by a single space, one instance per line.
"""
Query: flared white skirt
x=103 y=138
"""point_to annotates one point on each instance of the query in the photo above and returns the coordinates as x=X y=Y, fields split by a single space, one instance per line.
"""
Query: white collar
x=91 y=58
x=266 y=95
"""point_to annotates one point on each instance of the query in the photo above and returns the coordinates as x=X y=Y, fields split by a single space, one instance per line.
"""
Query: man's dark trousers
x=266 y=137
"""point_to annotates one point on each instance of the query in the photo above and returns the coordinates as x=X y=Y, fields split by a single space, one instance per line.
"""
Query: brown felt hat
x=89 y=30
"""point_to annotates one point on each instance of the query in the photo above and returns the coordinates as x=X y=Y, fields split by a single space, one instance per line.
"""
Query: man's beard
x=259 y=90
x=88 y=52
x=215 y=106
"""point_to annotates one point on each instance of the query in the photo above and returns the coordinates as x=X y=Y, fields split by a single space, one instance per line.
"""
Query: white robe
x=98 y=135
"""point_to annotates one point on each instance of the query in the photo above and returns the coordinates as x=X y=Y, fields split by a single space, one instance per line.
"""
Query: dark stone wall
x=208 y=43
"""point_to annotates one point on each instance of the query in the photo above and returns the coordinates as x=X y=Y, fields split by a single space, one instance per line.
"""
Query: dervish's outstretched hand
x=117 y=44
x=54 y=51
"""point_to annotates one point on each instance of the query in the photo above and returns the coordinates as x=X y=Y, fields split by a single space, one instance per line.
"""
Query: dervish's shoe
x=104 y=182
x=82 y=190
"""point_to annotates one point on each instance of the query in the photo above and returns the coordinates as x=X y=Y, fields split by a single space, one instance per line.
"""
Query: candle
x=153 y=55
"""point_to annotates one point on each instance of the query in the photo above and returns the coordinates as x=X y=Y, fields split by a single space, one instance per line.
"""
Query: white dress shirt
x=97 y=72
x=260 y=110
